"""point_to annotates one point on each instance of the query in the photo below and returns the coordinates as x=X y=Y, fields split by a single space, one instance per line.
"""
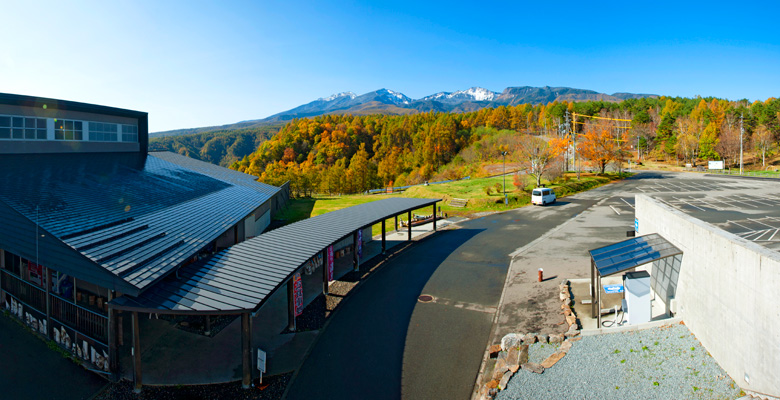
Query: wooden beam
x=246 y=350
x=384 y=247
x=409 y=225
x=290 y=306
x=138 y=382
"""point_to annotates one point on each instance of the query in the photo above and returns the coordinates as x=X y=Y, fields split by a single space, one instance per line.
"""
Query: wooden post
x=290 y=306
x=383 y=237
x=246 y=349
x=409 y=225
x=48 y=302
x=136 y=354
x=325 y=271
x=396 y=223
x=113 y=362
x=434 y=217
x=355 y=260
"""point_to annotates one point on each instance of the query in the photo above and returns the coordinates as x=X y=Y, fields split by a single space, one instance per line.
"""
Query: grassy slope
x=473 y=189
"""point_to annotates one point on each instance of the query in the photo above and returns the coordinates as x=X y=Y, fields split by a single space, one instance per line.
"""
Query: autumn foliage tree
x=536 y=156
x=599 y=144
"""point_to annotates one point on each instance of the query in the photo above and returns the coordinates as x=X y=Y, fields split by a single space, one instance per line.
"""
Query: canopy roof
x=631 y=253
x=241 y=278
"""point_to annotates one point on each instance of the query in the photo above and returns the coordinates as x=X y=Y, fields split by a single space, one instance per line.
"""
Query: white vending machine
x=637 y=308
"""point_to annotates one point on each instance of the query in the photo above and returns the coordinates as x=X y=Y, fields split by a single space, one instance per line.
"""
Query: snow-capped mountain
x=473 y=94
x=338 y=95
x=386 y=101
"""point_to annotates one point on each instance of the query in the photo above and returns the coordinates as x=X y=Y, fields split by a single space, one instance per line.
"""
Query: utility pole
x=574 y=143
x=506 y=201
x=741 y=132
x=567 y=133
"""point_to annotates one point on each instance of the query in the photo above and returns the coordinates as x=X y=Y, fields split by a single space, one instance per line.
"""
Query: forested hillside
x=345 y=153
x=217 y=147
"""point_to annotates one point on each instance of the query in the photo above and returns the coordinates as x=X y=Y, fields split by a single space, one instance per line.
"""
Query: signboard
x=636 y=225
x=360 y=244
x=330 y=263
x=261 y=357
x=613 y=288
x=715 y=164
x=298 y=293
x=35 y=273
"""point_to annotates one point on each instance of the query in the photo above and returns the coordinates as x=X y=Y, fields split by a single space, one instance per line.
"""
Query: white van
x=542 y=196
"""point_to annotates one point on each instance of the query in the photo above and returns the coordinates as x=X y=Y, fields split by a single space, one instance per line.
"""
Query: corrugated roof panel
x=631 y=253
x=258 y=266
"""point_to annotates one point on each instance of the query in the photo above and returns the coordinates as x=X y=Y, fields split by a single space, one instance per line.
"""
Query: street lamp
x=506 y=200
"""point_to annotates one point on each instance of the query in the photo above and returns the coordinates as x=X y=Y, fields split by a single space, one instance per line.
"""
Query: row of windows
x=22 y=128
x=16 y=127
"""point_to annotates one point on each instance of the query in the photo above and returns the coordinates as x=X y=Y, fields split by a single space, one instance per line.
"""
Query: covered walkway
x=243 y=279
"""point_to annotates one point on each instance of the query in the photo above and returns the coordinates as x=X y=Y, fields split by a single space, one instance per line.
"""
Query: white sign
x=261 y=360
x=715 y=164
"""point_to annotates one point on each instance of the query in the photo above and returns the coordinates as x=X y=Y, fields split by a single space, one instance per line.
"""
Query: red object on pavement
x=541 y=274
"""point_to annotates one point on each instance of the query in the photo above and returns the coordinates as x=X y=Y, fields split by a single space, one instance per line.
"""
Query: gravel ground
x=539 y=352
x=658 y=363
x=124 y=391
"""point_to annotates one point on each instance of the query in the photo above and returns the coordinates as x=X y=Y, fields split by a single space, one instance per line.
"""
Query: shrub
x=488 y=189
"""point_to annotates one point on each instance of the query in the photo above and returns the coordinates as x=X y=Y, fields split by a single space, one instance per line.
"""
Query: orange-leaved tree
x=600 y=144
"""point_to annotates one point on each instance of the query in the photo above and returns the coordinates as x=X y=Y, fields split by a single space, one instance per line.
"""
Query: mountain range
x=385 y=101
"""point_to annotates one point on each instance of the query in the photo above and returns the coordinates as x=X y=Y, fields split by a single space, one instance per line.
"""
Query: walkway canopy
x=623 y=256
x=240 y=279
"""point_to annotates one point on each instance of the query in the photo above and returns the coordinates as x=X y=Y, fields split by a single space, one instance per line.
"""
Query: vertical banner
x=330 y=263
x=298 y=293
x=360 y=244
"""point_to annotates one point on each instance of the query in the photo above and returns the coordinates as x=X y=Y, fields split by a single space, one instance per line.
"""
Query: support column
x=113 y=353
x=325 y=271
x=2 y=267
x=396 y=223
x=383 y=237
x=48 y=302
x=246 y=350
x=434 y=217
x=592 y=289
x=136 y=354
x=409 y=225
x=355 y=260
x=290 y=305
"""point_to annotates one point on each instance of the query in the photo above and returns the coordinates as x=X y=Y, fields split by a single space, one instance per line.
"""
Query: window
x=103 y=132
x=67 y=129
x=26 y=128
x=129 y=133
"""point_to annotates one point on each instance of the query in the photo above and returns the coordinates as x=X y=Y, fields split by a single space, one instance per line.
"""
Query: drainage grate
x=425 y=298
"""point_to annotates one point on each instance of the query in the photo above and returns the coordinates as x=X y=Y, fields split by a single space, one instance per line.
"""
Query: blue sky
x=201 y=63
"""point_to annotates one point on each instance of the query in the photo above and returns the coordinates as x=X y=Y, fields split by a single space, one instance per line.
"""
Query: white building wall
x=727 y=294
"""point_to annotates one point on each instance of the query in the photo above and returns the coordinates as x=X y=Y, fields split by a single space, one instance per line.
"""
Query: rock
x=502 y=355
x=565 y=282
x=512 y=357
x=522 y=356
x=571 y=320
x=563 y=296
x=565 y=346
x=567 y=311
x=529 y=339
x=542 y=338
x=511 y=340
x=492 y=392
x=514 y=368
x=494 y=350
x=533 y=367
x=502 y=383
x=552 y=359
x=573 y=331
x=556 y=338
x=500 y=369
x=492 y=384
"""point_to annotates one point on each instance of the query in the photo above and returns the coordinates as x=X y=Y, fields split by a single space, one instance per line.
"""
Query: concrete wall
x=727 y=294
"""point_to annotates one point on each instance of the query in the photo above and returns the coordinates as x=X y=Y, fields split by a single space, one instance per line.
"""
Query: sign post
x=261 y=357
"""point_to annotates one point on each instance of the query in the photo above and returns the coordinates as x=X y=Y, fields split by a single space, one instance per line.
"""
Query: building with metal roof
x=90 y=215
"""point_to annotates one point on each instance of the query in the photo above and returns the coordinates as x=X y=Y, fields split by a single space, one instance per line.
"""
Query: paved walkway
x=30 y=370
x=218 y=359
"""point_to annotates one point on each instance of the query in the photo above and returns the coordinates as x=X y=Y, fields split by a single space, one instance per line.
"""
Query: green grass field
x=473 y=189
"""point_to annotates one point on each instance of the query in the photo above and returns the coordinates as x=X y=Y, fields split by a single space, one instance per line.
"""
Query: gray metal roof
x=136 y=216
x=240 y=278
x=631 y=253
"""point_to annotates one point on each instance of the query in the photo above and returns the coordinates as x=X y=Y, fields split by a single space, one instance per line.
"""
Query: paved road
x=384 y=344
x=29 y=370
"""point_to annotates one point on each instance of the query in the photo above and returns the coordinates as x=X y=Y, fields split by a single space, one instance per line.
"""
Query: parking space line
x=737 y=224
x=773 y=235
x=615 y=210
x=759 y=222
x=624 y=201
x=701 y=209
